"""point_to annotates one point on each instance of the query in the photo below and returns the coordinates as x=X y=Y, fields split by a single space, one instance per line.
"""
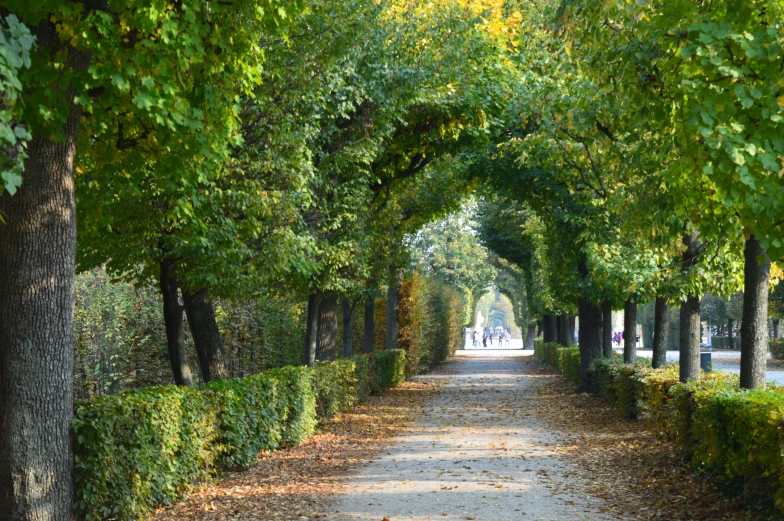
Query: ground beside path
x=490 y=435
x=479 y=451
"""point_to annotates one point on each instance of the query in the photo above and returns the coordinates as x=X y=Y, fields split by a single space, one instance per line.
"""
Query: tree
x=121 y=69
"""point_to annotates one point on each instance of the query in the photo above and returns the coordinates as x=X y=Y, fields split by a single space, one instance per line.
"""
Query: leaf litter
x=292 y=484
x=641 y=476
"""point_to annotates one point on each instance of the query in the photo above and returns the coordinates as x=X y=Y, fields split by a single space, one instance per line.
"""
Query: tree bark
x=730 y=338
x=327 y=346
x=690 y=316
x=571 y=323
x=529 y=340
x=175 y=331
x=539 y=327
x=369 y=327
x=393 y=309
x=37 y=262
x=754 y=326
x=690 y=339
x=563 y=331
x=311 y=330
x=607 y=348
x=590 y=338
x=348 y=349
x=630 y=329
x=661 y=332
x=549 y=328
x=207 y=338
x=775 y=329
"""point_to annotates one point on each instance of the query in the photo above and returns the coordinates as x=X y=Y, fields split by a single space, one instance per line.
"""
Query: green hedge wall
x=389 y=368
x=141 y=449
x=734 y=434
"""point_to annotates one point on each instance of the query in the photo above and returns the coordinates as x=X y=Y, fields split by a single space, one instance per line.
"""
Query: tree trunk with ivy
x=754 y=326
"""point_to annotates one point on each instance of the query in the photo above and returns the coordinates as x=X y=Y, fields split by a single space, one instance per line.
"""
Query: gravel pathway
x=478 y=452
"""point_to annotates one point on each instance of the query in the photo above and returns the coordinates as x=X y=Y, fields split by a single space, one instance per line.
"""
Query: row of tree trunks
x=661 y=332
x=607 y=349
x=549 y=328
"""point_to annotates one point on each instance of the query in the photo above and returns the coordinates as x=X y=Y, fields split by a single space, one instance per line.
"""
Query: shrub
x=566 y=360
x=340 y=385
x=251 y=413
x=300 y=420
x=389 y=368
x=140 y=449
x=777 y=349
x=144 y=448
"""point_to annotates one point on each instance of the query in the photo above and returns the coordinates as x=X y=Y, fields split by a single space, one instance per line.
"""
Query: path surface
x=478 y=452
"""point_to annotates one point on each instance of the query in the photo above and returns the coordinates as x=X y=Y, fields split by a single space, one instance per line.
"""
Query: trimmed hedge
x=566 y=360
x=733 y=434
x=341 y=385
x=141 y=449
x=389 y=367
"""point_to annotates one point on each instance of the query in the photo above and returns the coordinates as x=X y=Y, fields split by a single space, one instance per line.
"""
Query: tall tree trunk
x=539 y=327
x=754 y=325
x=549 y=328
x=690 y=316
x=311 y=329
x=590 y=338
x=37 y=257
x=690 y=339
x=661 y=331
x=571 y=323
x=630 y=329
x=563 y=331
x=327 y=346
x=607 y=349
x=529 y=340
x=393 y=308
x=207 y=338
x=730 y=338
x=175 y=330
x=348 y=349
x=369 y=327
x=775 y=329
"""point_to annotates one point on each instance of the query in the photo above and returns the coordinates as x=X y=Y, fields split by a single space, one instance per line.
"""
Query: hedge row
x=141 y=449
x=736 y=435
